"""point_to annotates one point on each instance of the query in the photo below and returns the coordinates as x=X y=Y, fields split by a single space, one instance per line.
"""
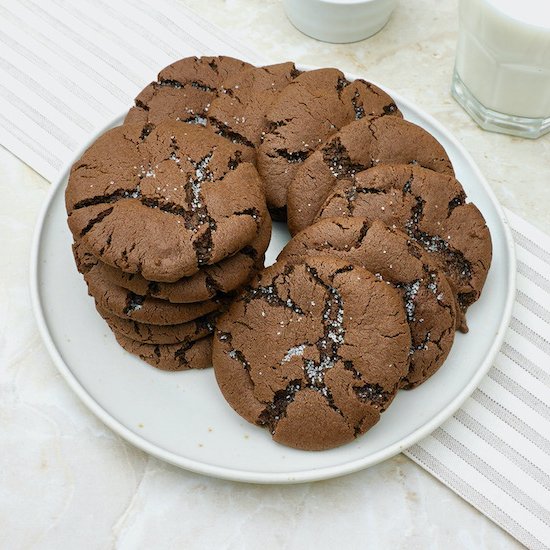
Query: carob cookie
x=356 y=147
x=171 y=357
x=160 y=334
x=389 y=254
x=239 y=112
x=313 y=351
x=184 y=90
x=431 y=208
x=209 y=282
x=310 y=109
x=163 y=204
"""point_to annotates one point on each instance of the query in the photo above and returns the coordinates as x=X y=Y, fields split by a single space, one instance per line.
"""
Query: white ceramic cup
x=339 y=21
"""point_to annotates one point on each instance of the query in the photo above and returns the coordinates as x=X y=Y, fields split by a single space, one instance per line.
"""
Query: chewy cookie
x=238 y=113
x=209 y=282
x=126 y=304
x=163 y=204
x=171 y=357
x=321 y=355
x=160 y=334
x=144 y=309
x=184 y=90
x=310 y=109
x=358 y=146
x=431 y=208
x=389 y=254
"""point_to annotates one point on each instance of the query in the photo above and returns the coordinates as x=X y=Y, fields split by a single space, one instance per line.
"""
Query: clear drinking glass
x=502 y=70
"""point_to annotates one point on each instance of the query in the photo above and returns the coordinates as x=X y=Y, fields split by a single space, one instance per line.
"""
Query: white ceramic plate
x=182 y=417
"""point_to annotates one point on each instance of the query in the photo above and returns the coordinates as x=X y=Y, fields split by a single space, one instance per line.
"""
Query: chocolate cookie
x=431 y=208
x=310 y=109
x=144 y=309
x=238 y=113
x=389 y=254
x=225 y=276
x=160 y=334
x=171 y=357
x=184 y=90
x=163 y=204
x=358 y=146
x=126 y=304
x=313 y=351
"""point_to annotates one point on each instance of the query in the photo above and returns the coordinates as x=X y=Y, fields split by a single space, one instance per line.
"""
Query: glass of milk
x=502 y=70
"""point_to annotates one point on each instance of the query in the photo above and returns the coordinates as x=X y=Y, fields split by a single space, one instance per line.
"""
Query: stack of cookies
x=171 y=217
x=167 y=225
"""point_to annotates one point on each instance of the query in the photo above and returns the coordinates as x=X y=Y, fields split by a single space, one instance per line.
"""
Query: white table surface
x=66 y=481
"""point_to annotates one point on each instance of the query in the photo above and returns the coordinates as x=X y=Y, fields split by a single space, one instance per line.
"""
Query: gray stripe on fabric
x=526 y=364
x=107 y=33
x=77 y=63
x=535 y=277
x=40 y=62
x=474 y=497
x=138 y=29
x=529 y=334
x=494 y=476
x=534 y=307
x=30 y=143
x=512 y=420
x=531 y=469
x=46 y=95
x=38 y=118
x=531 y=246
x=525 y=396
x=173 y=27
x=100 y=53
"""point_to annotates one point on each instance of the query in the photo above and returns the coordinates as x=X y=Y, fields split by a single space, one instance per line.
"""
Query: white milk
x=503 y=55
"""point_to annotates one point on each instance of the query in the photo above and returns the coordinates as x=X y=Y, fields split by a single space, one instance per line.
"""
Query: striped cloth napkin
x=68 y=68
x=495 y=451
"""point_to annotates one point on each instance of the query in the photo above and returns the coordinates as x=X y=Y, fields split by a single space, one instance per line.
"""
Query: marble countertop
x=66 y=481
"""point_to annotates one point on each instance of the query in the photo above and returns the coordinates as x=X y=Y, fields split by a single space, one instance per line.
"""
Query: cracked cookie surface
x=310 y=109
x=184 y=90
x=313 y=351
x=210 y=281
x=160 y=334
x=431 y=209
x=171 y=357
x=166 y=203
x=389 y=254
x=358 y=146
x=239 y=111
x=125 y=304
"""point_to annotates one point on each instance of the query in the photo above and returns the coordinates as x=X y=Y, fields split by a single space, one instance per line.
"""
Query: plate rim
x=300 y=476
